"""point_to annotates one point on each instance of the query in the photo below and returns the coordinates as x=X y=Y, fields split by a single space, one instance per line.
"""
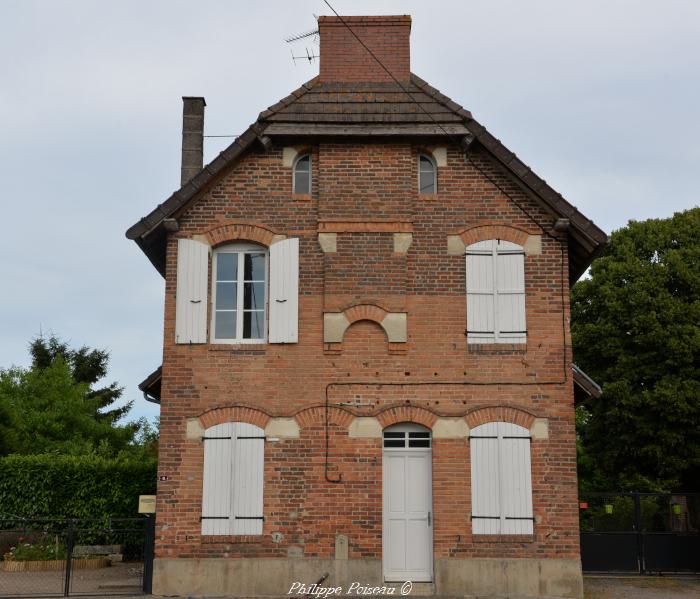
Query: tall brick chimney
x=192 y=137
x=344 y=59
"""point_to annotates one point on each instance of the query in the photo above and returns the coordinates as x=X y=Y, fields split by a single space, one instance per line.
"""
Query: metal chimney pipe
x=192 y=137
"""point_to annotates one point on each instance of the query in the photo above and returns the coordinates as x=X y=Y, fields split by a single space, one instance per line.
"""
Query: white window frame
x=498 y=247
x=294 y=173
x=241 y=249
x=435 y=173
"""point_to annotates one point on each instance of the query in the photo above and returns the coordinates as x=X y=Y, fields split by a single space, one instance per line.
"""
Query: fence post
x=148 y=553
x=70 y=542
x=640 y=536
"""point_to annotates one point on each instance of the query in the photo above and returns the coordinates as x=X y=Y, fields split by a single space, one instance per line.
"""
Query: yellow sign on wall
x=147 y=504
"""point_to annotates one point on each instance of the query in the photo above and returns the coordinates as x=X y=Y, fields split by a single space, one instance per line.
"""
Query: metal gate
x=643 y=533
x=61 y=558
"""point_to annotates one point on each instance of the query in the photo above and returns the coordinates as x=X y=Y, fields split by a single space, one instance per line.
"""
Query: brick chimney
x=343 y=59
x=192 y=137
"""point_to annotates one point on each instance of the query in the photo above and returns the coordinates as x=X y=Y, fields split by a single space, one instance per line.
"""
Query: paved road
x=642 y=587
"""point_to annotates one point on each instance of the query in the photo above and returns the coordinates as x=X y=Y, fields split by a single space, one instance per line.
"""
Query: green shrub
x=62 y=486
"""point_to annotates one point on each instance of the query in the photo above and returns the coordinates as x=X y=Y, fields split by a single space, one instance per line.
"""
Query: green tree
x=51 y=413
x=636 y=330
x=87 y=366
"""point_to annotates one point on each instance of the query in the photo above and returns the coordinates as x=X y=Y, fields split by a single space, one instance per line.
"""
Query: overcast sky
x=600 y=97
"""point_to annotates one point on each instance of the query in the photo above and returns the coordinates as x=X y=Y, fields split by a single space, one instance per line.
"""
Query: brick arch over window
x=234 y=414
x=315 y=416
x=500 y=414
x=483 y=232
x=397 y=414
x=242 y=231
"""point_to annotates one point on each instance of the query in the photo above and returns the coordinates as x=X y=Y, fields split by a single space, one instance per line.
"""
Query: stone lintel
x=394 y=324
x=328 y=242
x=365 y=428
x=533 y=245
x=540 y=428
x=450 y=428
x=402 y=241
x=194 y=430
x=284 y=428
x=455 y=246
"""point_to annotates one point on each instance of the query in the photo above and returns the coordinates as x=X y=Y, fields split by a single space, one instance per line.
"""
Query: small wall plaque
x=147 y=504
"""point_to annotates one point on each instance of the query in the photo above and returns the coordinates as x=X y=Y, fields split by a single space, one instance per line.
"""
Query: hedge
x=61 y=486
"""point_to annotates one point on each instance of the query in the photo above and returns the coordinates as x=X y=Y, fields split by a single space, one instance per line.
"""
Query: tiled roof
x=371 y=109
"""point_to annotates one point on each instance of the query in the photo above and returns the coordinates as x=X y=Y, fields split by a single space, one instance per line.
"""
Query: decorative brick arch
x=315 y=416
x=234 y=414
x=393 y=323
x=241 y=231
x=484 y=232
x=397 y=414
x=500 y=414
x=365 y=312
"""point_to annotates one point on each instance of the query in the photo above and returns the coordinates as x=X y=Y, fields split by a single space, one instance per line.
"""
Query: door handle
x=429 y=519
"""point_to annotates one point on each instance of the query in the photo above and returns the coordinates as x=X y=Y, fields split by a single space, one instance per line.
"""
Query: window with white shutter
x=233 y=477
x=191 y=291
x=495 y=292
x=501 y=479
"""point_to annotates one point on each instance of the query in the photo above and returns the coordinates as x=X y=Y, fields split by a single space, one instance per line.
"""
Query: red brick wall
x=343 y=58
x=352 y=184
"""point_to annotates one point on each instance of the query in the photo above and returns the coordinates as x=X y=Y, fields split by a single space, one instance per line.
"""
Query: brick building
x=366 y=358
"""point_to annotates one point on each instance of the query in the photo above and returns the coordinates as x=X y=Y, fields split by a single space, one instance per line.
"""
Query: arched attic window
x=302 y=175
x=427 y=175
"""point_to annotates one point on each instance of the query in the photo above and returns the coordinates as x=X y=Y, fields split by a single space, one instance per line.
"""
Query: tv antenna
x=301 y=36
x=310 y=56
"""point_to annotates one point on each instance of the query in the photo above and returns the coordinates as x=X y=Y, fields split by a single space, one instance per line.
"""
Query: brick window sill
x=497 y=348
x=503 y=538
x=248 y=349
x=302 y=197
x=230 y=539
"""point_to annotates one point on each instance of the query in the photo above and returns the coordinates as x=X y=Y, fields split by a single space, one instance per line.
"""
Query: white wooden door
x=408 y=533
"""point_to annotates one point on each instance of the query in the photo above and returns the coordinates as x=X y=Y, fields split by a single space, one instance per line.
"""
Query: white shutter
x=284 y=291
x=480 y=292
x=510 y=285
x=501 y=479
x=216 y=488
x=516 y=480
x=485 y=482
x=191 y=291
x=248 y=476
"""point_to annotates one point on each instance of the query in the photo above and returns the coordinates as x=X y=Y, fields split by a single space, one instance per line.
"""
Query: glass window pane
x=302 y=182
x=394 y=443
x=253 y=325
x=419 y=435
x=226 y=296
x=419 y=443
x=394 y=435
x=426 y=175
x=226 y=267
x=254 y=296
x=304 y=164
x=254 y=267
x=225 y=325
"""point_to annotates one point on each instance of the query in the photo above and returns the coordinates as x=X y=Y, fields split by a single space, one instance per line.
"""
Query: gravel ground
x=119 y=578
x=641 y=587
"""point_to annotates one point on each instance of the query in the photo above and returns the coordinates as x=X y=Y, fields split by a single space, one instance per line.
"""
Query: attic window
x=302 y=175
x=426 y=175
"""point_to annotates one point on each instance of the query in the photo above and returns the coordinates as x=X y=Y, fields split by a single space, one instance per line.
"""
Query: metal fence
x=640 y=532
x=86 y=557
